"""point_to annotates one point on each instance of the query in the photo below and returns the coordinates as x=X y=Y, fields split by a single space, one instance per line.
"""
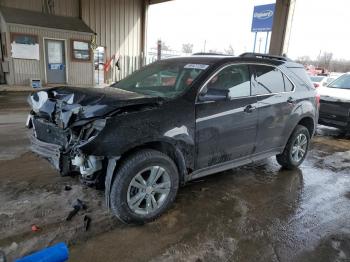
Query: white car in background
x=317 y=80
x=324 y=80
x=335 y=103
x=329 y=79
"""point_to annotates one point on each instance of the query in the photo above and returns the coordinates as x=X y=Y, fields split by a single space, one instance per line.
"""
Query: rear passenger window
x=269 y=79
x=233 y=81
x=288 y=86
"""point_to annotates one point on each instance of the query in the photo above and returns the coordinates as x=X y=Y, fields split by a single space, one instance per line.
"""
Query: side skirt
x=232 y=164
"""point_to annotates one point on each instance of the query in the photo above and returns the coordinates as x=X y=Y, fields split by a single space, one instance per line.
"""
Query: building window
x=81 y=50
x=24 y=46
x=24 y=39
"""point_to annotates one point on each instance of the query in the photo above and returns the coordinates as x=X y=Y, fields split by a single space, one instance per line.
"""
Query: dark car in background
x=335 y=103
x=174 y=121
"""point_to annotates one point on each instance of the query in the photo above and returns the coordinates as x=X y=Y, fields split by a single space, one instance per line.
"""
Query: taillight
x=316 y=85
x=318 y=98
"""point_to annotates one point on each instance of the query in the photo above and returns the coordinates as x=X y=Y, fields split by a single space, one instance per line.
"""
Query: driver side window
x=232 y=81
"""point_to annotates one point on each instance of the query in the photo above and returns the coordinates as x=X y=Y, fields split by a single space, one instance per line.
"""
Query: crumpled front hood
x=64 y=105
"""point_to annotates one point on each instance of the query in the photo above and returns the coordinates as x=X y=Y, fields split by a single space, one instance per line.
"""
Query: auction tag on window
x=196 y=66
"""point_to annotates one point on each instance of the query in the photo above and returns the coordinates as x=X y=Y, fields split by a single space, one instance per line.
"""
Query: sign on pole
x=262 y=21
x=263 y=18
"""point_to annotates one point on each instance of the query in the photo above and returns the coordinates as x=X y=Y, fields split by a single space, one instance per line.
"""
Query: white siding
x=117 y=23
x=79 y=73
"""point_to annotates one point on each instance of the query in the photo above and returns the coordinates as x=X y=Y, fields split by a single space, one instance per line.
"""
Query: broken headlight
x=37 y=100
x=90 y=131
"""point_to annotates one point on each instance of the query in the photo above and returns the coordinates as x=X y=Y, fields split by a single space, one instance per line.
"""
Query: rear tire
x=296 y=149
x=144 y=187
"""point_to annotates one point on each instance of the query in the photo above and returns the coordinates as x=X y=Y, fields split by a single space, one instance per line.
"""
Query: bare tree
x=340 y=65
x=325 y=60
x=304 y=60
x=187 y=48
x=229 y=50
x=213 y=51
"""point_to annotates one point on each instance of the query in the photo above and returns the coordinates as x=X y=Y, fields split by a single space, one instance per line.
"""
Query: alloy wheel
x=299 y=147
x=148 y=190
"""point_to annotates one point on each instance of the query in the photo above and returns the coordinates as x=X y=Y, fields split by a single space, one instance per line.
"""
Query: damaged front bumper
x=61 y=147
x=49 y=151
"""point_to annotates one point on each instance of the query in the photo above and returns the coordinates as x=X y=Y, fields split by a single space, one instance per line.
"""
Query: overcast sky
x=318 y=25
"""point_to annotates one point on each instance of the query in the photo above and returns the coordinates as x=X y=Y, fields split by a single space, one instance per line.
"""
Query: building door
x=55 y=61
x=99 y=60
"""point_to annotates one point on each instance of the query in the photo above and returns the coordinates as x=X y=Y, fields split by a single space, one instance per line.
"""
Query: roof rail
x=202 y=53
x=259 y=55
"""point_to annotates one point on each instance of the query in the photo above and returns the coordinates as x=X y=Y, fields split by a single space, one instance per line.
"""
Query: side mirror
x=324 y=83
x=213 y=94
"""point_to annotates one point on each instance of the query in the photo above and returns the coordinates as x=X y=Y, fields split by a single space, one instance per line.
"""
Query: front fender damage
x=74 y=120
x=112 y=164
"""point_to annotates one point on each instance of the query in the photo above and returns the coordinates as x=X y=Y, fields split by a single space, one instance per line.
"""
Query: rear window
x=288 y=86
x=317 y=78
x=270 y=80
x=301 y=74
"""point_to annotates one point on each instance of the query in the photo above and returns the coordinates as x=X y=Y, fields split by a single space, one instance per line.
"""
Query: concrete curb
x=6 y=88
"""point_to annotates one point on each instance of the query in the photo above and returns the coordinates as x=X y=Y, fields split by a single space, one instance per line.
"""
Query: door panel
x=55 y=61
x=274 y=107
x=224 y=131
x=273 y=114
x=226 y=128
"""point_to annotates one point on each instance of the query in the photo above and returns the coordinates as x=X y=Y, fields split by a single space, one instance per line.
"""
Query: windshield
x=330 y=79
x=342 y=82
x=317 y=78
x=165 y=79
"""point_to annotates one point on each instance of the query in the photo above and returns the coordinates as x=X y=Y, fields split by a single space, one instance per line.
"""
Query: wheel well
x=308 y=122
x=166 y=148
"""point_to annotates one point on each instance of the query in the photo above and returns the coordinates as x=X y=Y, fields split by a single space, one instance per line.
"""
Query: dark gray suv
x=173 y=121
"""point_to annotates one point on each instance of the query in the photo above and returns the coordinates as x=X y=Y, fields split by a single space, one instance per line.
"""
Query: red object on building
x=35 y=228
x=107 y=66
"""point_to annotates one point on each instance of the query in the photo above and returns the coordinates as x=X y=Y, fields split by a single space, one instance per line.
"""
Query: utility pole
x=260 y=39
x=159 y=50
x=205 y=43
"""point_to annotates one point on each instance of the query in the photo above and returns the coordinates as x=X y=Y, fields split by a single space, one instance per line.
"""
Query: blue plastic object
x=56 y=253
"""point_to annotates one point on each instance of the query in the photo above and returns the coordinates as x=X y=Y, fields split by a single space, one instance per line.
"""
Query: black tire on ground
x=285 y=159
x=128 y=169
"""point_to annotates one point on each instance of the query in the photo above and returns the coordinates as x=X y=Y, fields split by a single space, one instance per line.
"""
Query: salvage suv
x=174 y=121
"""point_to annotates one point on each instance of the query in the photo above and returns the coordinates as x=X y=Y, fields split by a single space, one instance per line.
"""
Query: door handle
x=290 y=100
x=249 y=109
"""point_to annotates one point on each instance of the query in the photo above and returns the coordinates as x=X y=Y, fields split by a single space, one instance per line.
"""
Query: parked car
x=173 y=121
x=330 y=78
x=318 y=80
x=335 y=103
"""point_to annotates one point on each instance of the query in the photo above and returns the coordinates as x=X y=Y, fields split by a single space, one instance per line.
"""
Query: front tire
x=144 y=187
x=296 y=149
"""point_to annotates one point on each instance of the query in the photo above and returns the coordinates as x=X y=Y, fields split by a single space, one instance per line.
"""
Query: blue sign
x=56 y=66
x=263 y=18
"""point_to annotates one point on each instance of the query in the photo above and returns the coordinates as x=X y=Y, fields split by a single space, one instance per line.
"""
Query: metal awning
x=151 y=2
x=32 y=18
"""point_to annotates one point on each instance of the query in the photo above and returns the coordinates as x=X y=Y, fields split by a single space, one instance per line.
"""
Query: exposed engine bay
x=64 y=120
